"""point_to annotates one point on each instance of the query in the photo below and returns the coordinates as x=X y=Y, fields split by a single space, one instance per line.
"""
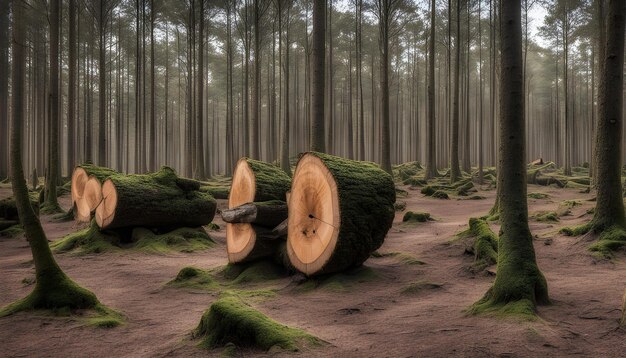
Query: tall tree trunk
x=102 y=140
x=230 y=105
x=71 y=90
x=455 y=170
x=480 y=97
x=199 y=147
x=4 y=89
x=53 y=289
x=431 y=164
x=609 y=205
x=51 y=204
x=318 y=45
x=384 y=19
x=153 y=139
x=284 y=151
x=516 y=255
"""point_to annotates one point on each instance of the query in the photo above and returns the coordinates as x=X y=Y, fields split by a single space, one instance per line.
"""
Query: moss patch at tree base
x=485 y=244
x=62 y=296
x=87 y=241
x=522 y=310
x=230 y=320
x=610 y=240
x=179 y=240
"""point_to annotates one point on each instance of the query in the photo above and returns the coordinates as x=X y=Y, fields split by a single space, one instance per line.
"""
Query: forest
x=355 y=178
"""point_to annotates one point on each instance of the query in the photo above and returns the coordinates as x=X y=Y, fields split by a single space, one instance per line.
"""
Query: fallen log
x=253 y=181
x=340 y=211
x=267 y=213
x=87 y=177
x=8 y=207
x=160 y=199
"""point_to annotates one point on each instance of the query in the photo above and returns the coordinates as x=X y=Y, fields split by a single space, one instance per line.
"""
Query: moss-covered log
x=160 y=199
x=87 y=176
x=254 y=181
x=8 y=207
x=340 y=211
x=485 y=244
x=230 y=320
x=266 y=213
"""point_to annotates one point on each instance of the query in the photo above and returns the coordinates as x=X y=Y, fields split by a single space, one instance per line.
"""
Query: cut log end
x=91 y=197
x=243 y=187
x=240 y=240
x=314 y=215
x=105 y=212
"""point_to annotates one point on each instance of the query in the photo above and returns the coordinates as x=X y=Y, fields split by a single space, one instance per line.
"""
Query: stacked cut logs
x=155 y=200
x=339 y=212
x=256 y=205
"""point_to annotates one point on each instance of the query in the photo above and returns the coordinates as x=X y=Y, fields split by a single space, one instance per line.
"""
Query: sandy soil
x=367 y=319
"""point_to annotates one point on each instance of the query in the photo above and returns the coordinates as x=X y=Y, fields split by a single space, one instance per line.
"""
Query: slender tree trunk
x=53 y=289
x=284 y=156
x=102 y=140
x=52 y=177
x=4 y=89
x=431 y=161
x=384 y=18
x=480 y=97
x=153 y=139
x=455 y=170
x=516 y=255
x=230 y=106
x=199 y=147
x=317 y=77
x=609 y=204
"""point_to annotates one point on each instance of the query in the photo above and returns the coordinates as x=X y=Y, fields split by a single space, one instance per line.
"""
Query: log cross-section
x=253 y=181
x=340 y=211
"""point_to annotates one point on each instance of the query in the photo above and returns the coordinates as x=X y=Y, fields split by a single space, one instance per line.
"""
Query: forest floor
x=400 y=308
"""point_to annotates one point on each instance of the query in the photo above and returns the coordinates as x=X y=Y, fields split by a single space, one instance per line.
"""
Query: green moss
x=12 y=231
x=271 y=182
x=193 y=277
x=485 y=245
x=87 y=241
x=611 y=240
x=8 y=208
x=179 y=240
x=253 y=272
x=428 y=190
x=523 y=310
x=440 y=194
x=399 y=205
x=230 y=320
x=213 y=227
x=538 y=196
x=47 y=208
x=544 y=216
x=576 y=230
x=104 y=317
x=339 y=282
x=421 y=217
x=419 y=287
x=64 y=216
x=414 y=181
x=465 y=189
x=54 y=291
x=400 y=193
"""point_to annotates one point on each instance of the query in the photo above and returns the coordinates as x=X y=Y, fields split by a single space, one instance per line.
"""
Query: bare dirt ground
x=373 y=318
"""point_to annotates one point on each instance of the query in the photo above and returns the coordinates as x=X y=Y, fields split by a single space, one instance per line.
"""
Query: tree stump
x=87 y=178
x=340 y=211
x=253 y=181
x=160 y=199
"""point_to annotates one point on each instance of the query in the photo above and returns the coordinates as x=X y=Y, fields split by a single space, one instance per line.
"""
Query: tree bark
x=431 y=164
x=51 y=204
x=4 y=89
x=516 y=255
x=318 y=52
x=455 y=170
x=609 y=203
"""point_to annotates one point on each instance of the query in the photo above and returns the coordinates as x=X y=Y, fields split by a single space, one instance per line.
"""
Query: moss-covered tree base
x=485 y=243
x=230 y=320
x=610 y=239
x=47 y=208
x=179 y=240
x=193 y=277
x=88 y=241
x=62 y=296
x=518 y=289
